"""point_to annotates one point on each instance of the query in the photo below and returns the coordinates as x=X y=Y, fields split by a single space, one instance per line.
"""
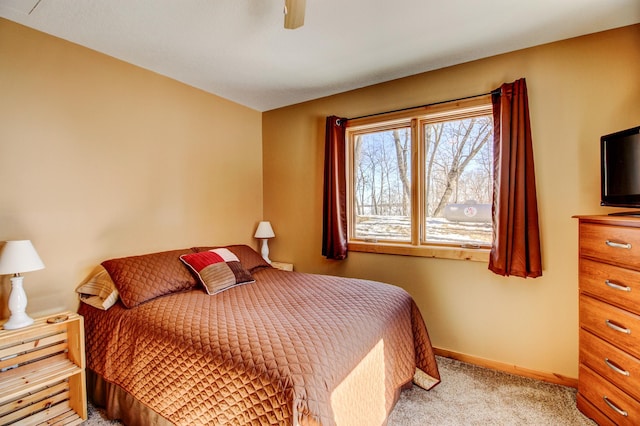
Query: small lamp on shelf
x=264 y=232
x=17 y=257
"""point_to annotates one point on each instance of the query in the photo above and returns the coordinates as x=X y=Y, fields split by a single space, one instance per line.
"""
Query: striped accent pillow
x=98 y=289
x=217 y=269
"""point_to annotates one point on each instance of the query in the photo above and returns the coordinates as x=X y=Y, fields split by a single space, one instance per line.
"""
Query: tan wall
x=579 y=89
x=103 y=159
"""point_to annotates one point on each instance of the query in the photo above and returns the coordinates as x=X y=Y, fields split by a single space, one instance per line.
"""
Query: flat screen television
x=620 y=169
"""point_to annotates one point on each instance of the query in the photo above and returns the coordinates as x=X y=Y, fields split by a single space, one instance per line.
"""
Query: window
x=382 y=184
x=420 y=181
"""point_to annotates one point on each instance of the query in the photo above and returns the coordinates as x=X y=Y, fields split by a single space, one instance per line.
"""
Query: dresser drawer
x=611 y=243
x=615 y=404
x=617 y=326
x=618 y=367
x=613 y=284
x=589 y=410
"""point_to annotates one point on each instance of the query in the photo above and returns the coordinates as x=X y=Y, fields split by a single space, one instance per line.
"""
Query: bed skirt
x=119 y=404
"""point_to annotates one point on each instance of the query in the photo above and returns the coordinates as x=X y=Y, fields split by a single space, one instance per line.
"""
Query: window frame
x=415 y=118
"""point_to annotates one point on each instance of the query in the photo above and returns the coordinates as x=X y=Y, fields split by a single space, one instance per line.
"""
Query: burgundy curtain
x=516 y=235
x=334 y=232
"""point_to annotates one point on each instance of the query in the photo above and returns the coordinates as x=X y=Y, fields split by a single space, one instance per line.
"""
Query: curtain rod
x=496 y=91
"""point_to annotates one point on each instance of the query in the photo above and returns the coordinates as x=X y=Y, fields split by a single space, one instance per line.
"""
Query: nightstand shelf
x=283 y=266
x=42 y=376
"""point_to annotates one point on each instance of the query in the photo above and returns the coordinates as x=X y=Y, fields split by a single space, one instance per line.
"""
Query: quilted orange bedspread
x=291 y=348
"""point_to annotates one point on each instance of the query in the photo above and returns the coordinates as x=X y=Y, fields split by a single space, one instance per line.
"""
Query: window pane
x=458 y=181
x=382 y=185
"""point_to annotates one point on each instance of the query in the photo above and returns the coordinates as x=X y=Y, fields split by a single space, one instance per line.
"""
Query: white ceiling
x=239 y=50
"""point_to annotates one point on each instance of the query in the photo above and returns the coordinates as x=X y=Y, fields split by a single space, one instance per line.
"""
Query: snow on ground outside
x=439 y=230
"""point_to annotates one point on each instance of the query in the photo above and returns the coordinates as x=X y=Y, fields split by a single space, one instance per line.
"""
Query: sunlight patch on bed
x=363 y=390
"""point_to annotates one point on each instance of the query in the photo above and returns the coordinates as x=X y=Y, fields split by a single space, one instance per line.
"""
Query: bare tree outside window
x=458 y=179
x=382 y=170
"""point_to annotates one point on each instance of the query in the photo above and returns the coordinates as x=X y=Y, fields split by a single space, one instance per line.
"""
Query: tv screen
x=620 y=168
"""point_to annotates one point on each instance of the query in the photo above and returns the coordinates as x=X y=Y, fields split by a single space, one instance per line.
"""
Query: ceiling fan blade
x=294 y=13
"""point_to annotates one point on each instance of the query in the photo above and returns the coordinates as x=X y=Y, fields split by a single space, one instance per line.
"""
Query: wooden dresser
x=609 y=309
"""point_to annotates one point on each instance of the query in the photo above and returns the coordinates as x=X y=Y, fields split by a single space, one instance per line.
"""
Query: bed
x=273 y=348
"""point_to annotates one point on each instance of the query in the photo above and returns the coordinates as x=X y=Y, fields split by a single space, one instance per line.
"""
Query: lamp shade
x=19 y=256
x=264 y=230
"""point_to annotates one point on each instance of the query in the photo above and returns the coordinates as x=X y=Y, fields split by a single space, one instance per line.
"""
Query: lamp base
x=265 y=251
x=17 y=305
x=18 y=321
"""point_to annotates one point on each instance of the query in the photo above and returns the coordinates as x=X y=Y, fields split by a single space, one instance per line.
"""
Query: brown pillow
x=142 y=278
x=249 y=258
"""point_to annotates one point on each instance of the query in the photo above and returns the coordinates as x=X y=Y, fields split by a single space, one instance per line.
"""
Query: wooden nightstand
x=42 y=372
x=283 y=266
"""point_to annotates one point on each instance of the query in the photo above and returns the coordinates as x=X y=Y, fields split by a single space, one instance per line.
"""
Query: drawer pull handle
x=616 y=368
x=617 y=286
x=614 y=408
x=617 y=327
x=618 y=245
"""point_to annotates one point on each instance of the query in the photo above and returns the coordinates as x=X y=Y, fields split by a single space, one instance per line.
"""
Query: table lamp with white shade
x=264 y=232
x=17 y=257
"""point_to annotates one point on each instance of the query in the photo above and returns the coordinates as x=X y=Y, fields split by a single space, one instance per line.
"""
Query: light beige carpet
x=470 y=396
